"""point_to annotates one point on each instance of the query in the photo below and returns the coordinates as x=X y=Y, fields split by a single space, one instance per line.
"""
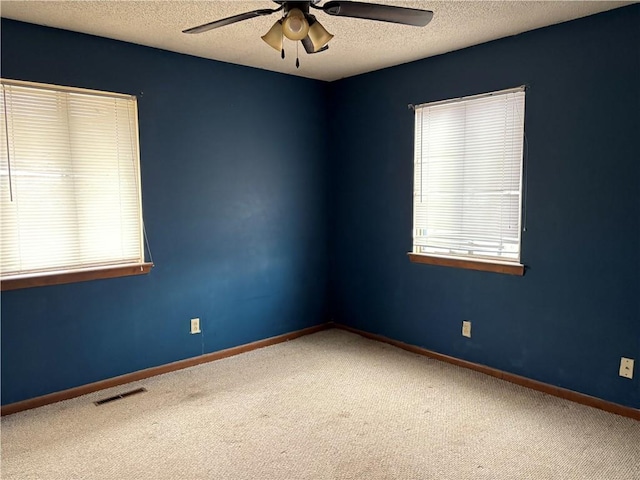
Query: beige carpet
x=327 y=406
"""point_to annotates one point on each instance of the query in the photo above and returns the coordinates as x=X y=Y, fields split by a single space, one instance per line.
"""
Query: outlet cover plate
x=626 y=367
x=466 y=329
x=195 y=325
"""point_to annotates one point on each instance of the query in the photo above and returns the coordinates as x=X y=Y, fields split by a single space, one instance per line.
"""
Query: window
x=468 y=182
x=69 y=185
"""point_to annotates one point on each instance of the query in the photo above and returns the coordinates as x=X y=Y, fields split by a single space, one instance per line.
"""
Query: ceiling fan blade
x=229 y=20
x=308 y=45
x=382 y=13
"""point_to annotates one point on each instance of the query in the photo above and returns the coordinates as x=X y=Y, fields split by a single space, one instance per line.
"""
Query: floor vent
x=118 y=397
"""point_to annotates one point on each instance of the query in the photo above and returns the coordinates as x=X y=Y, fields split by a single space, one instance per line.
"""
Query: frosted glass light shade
x=273 y=37
x=319 y=36
x=295 y=26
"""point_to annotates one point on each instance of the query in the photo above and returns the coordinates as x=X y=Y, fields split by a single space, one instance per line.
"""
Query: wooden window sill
x=77 y=276
x=485 y=266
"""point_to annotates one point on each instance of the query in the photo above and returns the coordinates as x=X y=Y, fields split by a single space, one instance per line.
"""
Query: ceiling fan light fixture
x=273 y=37
x=318 y=36
x=295 y=26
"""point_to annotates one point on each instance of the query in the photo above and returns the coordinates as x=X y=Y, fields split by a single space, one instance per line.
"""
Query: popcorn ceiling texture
x=359 y=46
x=331 y=405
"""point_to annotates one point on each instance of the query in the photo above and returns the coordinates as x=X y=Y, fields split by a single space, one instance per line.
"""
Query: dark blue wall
x=234 y=205
x=573 y=315
x=234 y=196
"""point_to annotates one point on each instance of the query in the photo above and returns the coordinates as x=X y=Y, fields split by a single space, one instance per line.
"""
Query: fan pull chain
x=282 y=43
x=297 y=55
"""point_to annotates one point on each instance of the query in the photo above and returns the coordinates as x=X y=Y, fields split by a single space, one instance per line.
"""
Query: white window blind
x=468 y=177
x=69 y=180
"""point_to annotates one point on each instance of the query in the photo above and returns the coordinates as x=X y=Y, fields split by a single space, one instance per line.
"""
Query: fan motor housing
x=304 y=6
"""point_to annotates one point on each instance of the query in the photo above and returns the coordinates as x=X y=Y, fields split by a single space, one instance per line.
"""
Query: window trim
x=469 y=264
x=511 y=267
x=60 y=278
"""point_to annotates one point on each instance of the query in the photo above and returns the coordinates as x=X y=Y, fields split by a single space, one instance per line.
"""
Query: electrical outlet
x=195 y=325
x=626 y=367
x=466 y=329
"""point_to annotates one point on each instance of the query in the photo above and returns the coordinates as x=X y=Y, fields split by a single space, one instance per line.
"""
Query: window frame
x=480 y=263
x=77 y=273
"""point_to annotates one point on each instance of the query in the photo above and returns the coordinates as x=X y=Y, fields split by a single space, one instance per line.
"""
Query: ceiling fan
x=298 y=24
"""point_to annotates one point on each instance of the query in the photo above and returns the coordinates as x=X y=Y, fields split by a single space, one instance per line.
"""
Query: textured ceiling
x=358 y=46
